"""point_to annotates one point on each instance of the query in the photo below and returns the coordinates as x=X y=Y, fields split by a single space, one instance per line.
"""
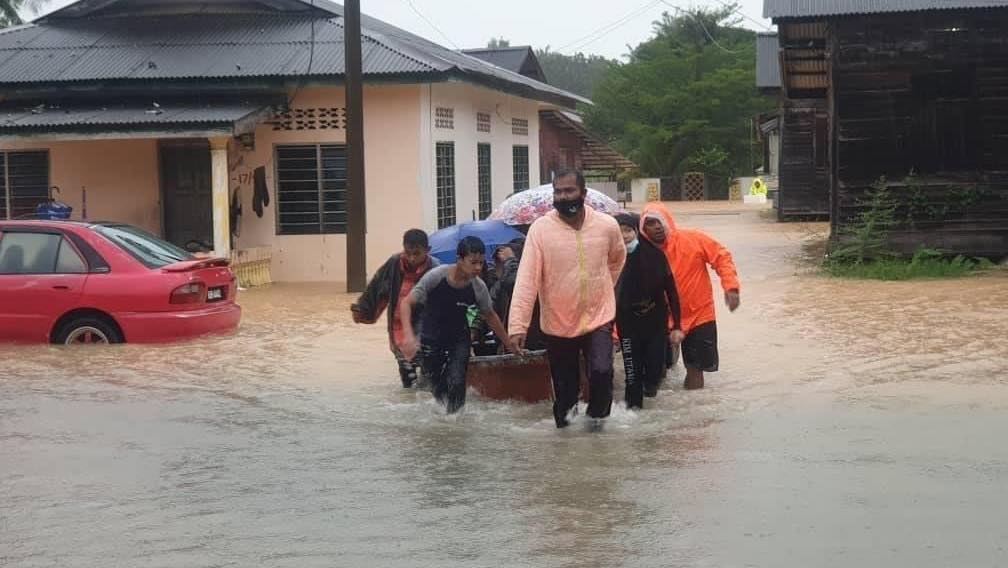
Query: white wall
x=467 y=101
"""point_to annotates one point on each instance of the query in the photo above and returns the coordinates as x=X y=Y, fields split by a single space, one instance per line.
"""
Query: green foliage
x=686 y=91
x=713 y=161
x=955 y=202
x=866 y=239
x=926 y=263
x=10 y=11
x=498 y=43
x=864 y=250
x=577 y=73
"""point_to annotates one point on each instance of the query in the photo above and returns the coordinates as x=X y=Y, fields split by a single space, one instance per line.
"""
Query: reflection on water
x=857 y=419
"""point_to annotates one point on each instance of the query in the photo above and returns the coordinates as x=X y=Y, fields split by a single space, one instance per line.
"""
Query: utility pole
x=355 y=195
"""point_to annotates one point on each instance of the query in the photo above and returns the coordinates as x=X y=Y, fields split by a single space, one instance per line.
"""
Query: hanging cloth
x=260 y=194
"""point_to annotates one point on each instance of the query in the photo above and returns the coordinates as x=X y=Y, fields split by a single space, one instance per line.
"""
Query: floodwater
x=853 y=423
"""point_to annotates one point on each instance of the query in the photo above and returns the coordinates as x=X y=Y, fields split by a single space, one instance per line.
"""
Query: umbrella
x=493 y=233
x=524 y=207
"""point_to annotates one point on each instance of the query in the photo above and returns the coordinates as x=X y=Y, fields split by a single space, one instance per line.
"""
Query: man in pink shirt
x=572 y=259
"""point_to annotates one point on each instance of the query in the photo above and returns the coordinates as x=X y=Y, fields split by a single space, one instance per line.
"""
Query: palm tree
x=10 y=10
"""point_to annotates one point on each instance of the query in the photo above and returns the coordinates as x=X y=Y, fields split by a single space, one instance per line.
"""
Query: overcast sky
x=604 y=27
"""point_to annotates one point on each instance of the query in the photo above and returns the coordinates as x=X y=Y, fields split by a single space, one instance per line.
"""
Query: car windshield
x=143 y=246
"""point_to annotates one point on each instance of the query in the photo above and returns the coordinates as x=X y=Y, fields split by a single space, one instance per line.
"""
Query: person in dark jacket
x=391 y=284
x=645 y=298
x=508 y=258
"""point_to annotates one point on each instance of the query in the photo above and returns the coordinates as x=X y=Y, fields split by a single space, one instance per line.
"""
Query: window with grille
x=445 y=167
x=519 y=127
x=311 y=189
x=24 y=182
x=444 y=118
x=482 y=122
x=520 y=159
x=483 y=179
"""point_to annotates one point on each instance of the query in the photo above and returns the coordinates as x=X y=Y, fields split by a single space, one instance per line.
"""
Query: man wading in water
x=571 y=261
x=390 y=287
x=646 y=301
x=447 y=294
x=689 y=254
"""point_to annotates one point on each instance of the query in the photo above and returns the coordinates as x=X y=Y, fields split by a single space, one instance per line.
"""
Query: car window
x=68 y=261
x=28 y=253
x=151 y=251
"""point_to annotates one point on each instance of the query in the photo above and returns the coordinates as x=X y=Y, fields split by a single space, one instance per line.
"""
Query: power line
x=702 y=27
x=737 y=10
x=431 y=24
x=595 y=35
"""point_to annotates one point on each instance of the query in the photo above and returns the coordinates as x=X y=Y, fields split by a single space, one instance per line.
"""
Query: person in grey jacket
x=390 y=286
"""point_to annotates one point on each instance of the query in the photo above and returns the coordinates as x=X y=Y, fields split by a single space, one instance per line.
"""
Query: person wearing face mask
x=646 y=305
x=571 y=261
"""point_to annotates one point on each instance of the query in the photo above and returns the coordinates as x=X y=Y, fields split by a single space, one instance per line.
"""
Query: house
x=794 y=139
x=564 y=142
x=912 y=90
x=166 y=112
x=768 y=81
x=520 y=59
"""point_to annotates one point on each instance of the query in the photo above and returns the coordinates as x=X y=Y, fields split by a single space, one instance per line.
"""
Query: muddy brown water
x=853 y=423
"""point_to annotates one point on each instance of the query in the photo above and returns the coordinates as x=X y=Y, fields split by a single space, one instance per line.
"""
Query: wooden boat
x=511 y=377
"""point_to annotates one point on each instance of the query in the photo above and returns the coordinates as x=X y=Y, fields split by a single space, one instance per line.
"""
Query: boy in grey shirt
x=447 y=293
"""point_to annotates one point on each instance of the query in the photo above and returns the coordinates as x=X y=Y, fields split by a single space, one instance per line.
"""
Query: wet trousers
x=409 y=371
x=445 y=367
x=644 y=362
x=565 y=355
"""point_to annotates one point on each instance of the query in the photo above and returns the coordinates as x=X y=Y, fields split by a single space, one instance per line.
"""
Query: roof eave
x=115 y=132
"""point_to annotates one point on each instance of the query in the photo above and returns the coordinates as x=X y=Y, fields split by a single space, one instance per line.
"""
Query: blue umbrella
x=493 y=233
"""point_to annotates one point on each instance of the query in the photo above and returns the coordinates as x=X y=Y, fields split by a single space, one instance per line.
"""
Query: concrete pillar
x=221 y=197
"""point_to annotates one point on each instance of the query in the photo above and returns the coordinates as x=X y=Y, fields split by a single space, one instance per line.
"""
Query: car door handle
x=60 y=287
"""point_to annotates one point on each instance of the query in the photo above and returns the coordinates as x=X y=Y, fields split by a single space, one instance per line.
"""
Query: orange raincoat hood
x=689 y=253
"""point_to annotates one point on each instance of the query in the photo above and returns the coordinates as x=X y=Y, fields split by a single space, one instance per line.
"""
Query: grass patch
x=926 y=263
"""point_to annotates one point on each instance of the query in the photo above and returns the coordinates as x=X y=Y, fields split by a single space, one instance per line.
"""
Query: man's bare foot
x=694 y=380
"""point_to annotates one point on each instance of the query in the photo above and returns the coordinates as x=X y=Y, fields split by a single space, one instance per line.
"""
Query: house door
x=186 y=192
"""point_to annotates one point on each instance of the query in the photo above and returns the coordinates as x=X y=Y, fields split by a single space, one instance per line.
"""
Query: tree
x=578 y=73
x=685 y=98
x=498 y=43
x=10 y=11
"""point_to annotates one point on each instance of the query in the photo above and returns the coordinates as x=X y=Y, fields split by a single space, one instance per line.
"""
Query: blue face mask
x=632 y=246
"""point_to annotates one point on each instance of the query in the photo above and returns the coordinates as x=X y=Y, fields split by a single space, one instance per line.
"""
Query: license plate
x=215 y=294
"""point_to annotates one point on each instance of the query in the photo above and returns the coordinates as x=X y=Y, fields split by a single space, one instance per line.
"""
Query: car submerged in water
x=73 y=282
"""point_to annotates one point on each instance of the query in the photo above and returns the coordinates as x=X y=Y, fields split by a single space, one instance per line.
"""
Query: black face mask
x=571 y=208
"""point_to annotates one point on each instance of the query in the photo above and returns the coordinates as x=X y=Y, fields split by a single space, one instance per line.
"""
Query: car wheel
x=88 y=331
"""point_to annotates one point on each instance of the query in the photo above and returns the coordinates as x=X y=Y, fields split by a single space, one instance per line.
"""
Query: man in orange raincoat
x=689 y=253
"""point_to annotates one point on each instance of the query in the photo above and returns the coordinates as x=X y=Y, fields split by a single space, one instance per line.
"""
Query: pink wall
x=120 y=177
x=123 y=180
x=392 y=158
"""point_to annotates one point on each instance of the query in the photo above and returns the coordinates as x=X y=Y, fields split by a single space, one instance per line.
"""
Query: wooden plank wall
x=803 y=181
x=926 y=93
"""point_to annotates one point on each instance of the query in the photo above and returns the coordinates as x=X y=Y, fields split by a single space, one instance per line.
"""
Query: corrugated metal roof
x=187 y=46
x=812 y=8
x=768 y=73
x=510 y=58
x=79 y=43
x=165 y=113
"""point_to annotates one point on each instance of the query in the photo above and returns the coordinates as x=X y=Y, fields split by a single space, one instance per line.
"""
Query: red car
x=73 y=282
